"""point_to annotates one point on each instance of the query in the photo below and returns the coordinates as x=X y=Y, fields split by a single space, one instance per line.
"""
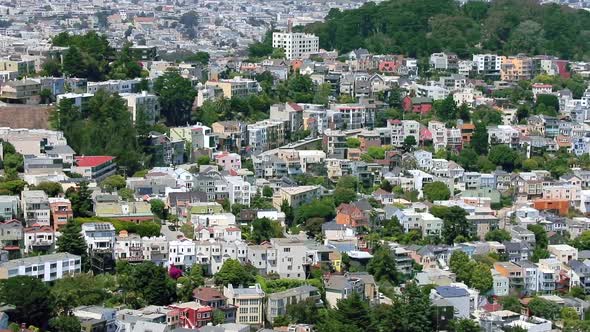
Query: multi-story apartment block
x=517 y=68
x=296 y=45
x=265 y=135
x=278 y=302
x=355 y=116
x=249 y=301
x=443 y=61
x=236 y=87
x=563 y=252
x=228 y=161
x=487 y=64
x=114 y=86
x=95 y=168
x=61 y=211
x=232 y=135
x=400 y=129
x=199 y=136
x=47 y=268
x=143 y=102
x=290 y=113
x=35 y=206
x=239 y=190
x=128 y=247
x=295 y=196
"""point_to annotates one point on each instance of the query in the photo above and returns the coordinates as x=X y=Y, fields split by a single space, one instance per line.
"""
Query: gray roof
x=450 y=291
x=61 y=149
x=38 y=260
x=305 y=289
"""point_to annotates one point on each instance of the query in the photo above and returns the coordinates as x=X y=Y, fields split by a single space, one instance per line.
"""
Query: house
x=96 y=318
x=11 y=236
x=249 y=301
x=419 y=105
x=277 y=302
x=338 y=287
x=458 y=297
x=35 y=206
x=95 y=168
x=213 y=298
x=523 y=234
x=350 y=215
x=99 y=237
x=193 y=315
x=563 y=252
x=43 y=267
x=9 y=206
x=128 y=247
x=39 y=239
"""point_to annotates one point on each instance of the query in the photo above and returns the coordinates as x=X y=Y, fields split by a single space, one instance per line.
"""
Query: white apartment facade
x=296 y=45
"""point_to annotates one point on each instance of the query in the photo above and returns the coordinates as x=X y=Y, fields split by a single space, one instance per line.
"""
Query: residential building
x=99 y=237
x=295 y=196
x=61 y=211
x=145 y=103
x=35 y=206
x=95 y=168
x=193 y=315
x=38 y=239
x=456 y=296
x=487 y=64
x=215 y=299
x=9 y=206
x=296 y=45
x=236 y=87
x=249 y=301
x=47 y=267
x=277 y=302
x=563 y=252
x=338 y=287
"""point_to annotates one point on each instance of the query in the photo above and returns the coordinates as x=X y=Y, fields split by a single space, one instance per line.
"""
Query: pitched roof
x=208 y=294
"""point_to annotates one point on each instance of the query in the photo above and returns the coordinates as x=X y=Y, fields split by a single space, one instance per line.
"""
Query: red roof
x=92 y=161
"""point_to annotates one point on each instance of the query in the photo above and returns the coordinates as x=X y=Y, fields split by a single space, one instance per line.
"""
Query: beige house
x=296 y=196
x=249 y=301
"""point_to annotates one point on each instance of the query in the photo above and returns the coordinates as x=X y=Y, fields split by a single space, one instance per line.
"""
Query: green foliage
x=454 y=222
x=353 y=142
x=409 y=143
x=232 y=272
x=473 y=274
x=125 y=66
x=319 y=208
x=71 y=292
x=419 y=28
x=147 y=281
x=188 y=282
x=175 y=95
x=464 y=325
x=541 y=240
x=547 y=105
x=445 y=109
x=71 y=240
x=81 y=200
x=382 y=266
x=65 y=324
x=544 y=308
x=479 y=140
x=113 y=183
x=503 y=155
x=30 y=298
x=499 y=235
x=88 y=55
x=158 y=208
x=263 y=48
x=52 y=189
x=582 y=242
x=103 y=128
x=264 y=229
x=343 y=195
x=437 y=191
x=188 y=230
x=511 y=303
x=303 y=312
x=267 y=191
x=218 y=317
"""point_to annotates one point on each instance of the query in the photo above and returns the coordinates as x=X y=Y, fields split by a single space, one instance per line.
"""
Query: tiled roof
x=92 y=161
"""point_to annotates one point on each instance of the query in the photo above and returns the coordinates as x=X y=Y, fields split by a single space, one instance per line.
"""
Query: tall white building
x=47 y=268
x=296 y=44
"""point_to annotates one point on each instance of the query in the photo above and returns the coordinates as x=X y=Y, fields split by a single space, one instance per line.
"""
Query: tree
x=150 y=281
x=353 y=142
x=481 y=278
x=446 y=109
x=464 y=325
x=232 y=272
x=52 y=189
x=409 y=143
x=303 y=312
x=267 y=191
x=569 y=314
x=126 y=66
x=30 y=298
x=344 y=195
x=436 y=191
x=511 y=303
x=158 y=208
x=313 y=227
x=461 y=265
x=382 y=266
x=454 y=222
x=264 y=229
x=113 y=183
x=218 y=317
x=65 y=324
x=582 y=242
x=281 y=321
x=71 y=240
x=353 y=311
x=479 y=139
x=81 y=200
x=189 y=282
x=503 y=155
x=543 y=308
x=499 y=235
x=176 y=96
x=71 y=292
x=541 y=240
x=203 y=160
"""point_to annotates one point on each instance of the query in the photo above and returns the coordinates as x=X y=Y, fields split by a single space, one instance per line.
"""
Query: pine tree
x=71 y=240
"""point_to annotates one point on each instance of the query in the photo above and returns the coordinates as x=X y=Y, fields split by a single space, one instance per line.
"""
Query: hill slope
x=421 y=27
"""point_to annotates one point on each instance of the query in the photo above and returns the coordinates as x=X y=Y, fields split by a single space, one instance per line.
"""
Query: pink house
x=228 y=161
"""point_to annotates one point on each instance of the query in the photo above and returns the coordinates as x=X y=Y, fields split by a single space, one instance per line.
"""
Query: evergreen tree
x=382 y=266
x=71 y=239
x=81 y=199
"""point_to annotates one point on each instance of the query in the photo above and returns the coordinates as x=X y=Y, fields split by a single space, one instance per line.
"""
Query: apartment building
x=487 y=64
x=236 y=87
x=47 y=267
x=296 y=45
x=277 y=302
x=295 y=196
x=401 y=129
x=35 y=206
x=199 y=136
x=239 y=190
x=265 y=135
x=291 y=258
x=61 y=211
x=516 y=68
x=232 y=135
x=290 y=113
x=563 y=252
x=22 y=92
x=39 y=239
x=95 y=168
x=128 y=247
x=143 y=102
x=249 y=301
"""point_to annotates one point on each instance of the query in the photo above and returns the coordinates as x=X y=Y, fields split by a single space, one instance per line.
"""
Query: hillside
x=420 y=27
